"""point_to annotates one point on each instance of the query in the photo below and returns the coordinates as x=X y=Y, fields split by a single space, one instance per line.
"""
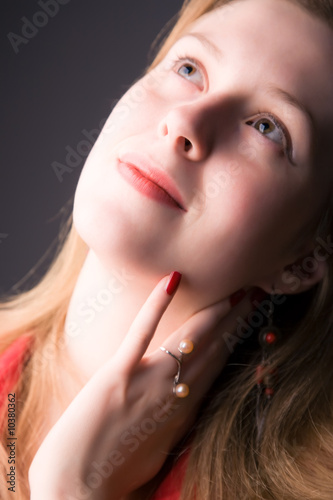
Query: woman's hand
x=116 y=433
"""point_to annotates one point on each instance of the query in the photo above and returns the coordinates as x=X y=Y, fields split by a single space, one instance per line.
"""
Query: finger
x=198 y=329
x=199 y=325
x=208 y=328
x=225 y=312
x=145 y=323
x=207 y=362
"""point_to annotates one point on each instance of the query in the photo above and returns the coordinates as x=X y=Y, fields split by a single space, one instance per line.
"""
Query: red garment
x=171 y=486
x=11 y=363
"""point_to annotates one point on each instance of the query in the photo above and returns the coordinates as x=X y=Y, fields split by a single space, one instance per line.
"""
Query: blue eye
x=188 y=69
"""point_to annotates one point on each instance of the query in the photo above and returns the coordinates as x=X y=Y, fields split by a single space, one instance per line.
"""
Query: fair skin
x=247 y=190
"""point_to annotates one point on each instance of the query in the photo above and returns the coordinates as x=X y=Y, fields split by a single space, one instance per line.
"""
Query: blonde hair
x=294 y=458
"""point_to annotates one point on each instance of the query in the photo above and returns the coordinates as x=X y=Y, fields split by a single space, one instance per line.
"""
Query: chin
x=118 y=245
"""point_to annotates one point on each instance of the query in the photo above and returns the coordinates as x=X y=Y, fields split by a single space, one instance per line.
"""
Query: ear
x=298 y=276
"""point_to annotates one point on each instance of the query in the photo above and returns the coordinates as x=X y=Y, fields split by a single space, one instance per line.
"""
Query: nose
x=191 y=129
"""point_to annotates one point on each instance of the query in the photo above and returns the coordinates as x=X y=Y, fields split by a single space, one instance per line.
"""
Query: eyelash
x=287 y=146
x=179 y=61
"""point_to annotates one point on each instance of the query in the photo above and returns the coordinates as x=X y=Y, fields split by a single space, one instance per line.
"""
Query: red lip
x=150 y=181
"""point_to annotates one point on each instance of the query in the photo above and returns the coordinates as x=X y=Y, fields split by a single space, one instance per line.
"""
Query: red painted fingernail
x=173 y=282
x=237 y=297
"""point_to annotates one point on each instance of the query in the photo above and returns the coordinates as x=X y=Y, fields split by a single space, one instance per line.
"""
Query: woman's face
x=232 y=129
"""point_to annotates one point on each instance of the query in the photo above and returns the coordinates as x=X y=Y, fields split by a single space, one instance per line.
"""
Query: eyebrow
x=209 y=44
x=293 y=101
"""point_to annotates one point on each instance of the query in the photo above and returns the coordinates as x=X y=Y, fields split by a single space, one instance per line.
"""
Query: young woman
x=212 y=175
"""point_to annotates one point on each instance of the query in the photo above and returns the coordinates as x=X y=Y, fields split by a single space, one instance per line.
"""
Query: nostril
x=187 y=145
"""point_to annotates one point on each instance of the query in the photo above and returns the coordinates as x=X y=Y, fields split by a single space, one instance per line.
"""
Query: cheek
x=127 y=117
x=99 y=197
x=240 y=236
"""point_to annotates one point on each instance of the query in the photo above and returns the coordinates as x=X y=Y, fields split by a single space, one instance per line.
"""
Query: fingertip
x=173 y=282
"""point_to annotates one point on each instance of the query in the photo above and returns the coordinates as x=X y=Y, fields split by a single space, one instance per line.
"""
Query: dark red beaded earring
x=269 y=337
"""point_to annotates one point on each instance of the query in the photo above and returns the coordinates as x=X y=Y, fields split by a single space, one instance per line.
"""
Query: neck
x=103 y=306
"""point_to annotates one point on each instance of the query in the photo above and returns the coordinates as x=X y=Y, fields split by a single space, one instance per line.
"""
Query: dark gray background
x=64 y=80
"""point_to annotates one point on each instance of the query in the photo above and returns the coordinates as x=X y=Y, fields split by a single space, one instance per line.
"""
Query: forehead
x=279 y=42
